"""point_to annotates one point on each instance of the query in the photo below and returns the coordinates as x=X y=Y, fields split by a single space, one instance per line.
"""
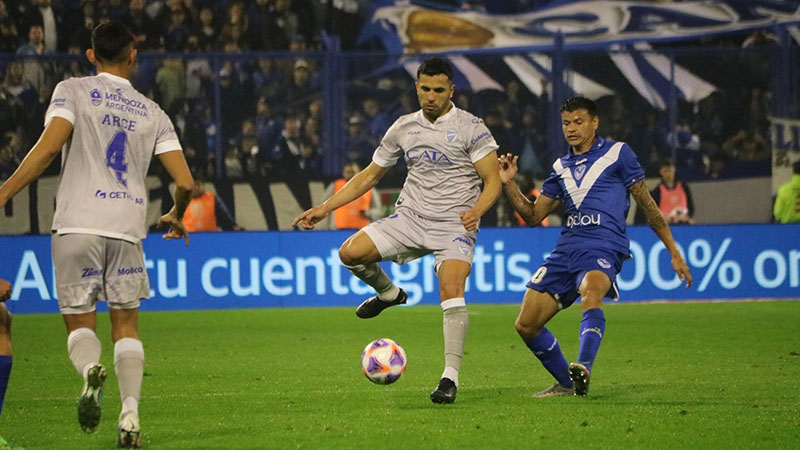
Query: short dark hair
x=111 y=42
x=796 y=167
x=435 y=66
x=579 y=102
x=666 y=162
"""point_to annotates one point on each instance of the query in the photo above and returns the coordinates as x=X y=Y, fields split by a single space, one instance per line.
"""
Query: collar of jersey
x=440 y=119
x=114 y=77
x=598 y=143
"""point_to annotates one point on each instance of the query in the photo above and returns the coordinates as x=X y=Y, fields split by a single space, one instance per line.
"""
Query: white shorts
x=92 y=268
x=405 y=236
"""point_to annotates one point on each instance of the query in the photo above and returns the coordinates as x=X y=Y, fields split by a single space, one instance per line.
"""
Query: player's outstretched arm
x=659 y=225
x=487 y=170
x=363 y=181
x=176 y=166
x=532 y=213
x=38 y=159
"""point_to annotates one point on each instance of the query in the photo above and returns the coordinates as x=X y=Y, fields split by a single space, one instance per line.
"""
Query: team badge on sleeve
x=97 y=97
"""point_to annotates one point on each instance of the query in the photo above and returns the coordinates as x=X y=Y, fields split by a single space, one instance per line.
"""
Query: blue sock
x=545 y=347
x=593 y=326
x=5 y=373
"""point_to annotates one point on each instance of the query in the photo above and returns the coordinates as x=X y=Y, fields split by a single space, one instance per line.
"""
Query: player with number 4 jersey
x=593 y=182
x=108 y=132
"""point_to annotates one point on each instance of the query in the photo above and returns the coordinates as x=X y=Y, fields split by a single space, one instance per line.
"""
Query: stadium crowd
x=262 y=106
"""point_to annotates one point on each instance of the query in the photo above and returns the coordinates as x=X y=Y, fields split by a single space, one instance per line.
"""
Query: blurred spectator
x=718 y=163
x=376 y=121
x=302 y=84
x=198 y=73
x=787 y=202
x=206 y=212
x=342 y=19
x=235 y=29
x=171 y=81
x=673 y=196
x=647 y=140
x=234 y=98
x=267 y=78
x=9 y=36
x=529 y=142
x=500 y=131
x=35 y=44
x=267 y=128
x=145 y=31
x=292 y=153
x=359 y=145
x=206 y=30
x=234 y=169
x=358 y=213
x=686 y=144
x=283 y=24
x=43 y=14
x=176 y=35
x=616 y=124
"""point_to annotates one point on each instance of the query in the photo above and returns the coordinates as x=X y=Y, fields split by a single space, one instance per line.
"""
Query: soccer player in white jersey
x=109 y=133
x=593 y=182
x=449 y=153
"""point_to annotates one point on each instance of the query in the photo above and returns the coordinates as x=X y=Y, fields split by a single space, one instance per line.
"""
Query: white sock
x=84 y=349
x=455 y=323
x=129 y=366
x=374 y=276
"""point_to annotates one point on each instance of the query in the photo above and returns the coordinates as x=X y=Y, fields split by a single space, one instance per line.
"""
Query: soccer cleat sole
x=581 y=377
x=128 y=439
x=90 y=403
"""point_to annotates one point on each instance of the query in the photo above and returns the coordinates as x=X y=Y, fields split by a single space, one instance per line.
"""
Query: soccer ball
x=383 y=361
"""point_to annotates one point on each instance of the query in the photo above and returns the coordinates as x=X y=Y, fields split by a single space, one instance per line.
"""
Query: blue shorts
x=562 y=272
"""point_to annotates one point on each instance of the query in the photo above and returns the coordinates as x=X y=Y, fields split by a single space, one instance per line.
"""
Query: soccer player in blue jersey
x=593 y=181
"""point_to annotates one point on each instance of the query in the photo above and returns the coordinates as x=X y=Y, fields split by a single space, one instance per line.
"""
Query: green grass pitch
x=696 y=375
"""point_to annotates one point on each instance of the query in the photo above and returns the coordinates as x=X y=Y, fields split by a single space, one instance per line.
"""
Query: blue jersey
x=593 y=187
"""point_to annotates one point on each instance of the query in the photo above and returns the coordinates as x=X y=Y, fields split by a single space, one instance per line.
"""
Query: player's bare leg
x=593 y=288
x=84 y=352
x=455 y=324
x=129 y=367
x=537 y=309
x=360 y=255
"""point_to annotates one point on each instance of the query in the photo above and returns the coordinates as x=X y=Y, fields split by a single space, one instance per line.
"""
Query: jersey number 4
x=115 y=156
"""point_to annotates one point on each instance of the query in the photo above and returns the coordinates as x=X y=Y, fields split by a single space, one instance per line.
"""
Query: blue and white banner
x=411 y=29
x=302 y=269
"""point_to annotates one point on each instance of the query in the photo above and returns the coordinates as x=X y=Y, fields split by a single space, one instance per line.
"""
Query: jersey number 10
x=115 y=156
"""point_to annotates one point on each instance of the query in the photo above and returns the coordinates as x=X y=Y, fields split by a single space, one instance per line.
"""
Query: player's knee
x=527 y=329
x=347 y=255
x=450 y=290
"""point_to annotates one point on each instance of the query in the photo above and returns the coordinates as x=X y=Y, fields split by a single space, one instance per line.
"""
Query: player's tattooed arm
x=659 y=225
x=531 y=212
x=645 y=201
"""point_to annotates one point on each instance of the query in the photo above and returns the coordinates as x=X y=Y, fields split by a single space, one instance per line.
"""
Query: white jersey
x=116 y=131
x=442 y=181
